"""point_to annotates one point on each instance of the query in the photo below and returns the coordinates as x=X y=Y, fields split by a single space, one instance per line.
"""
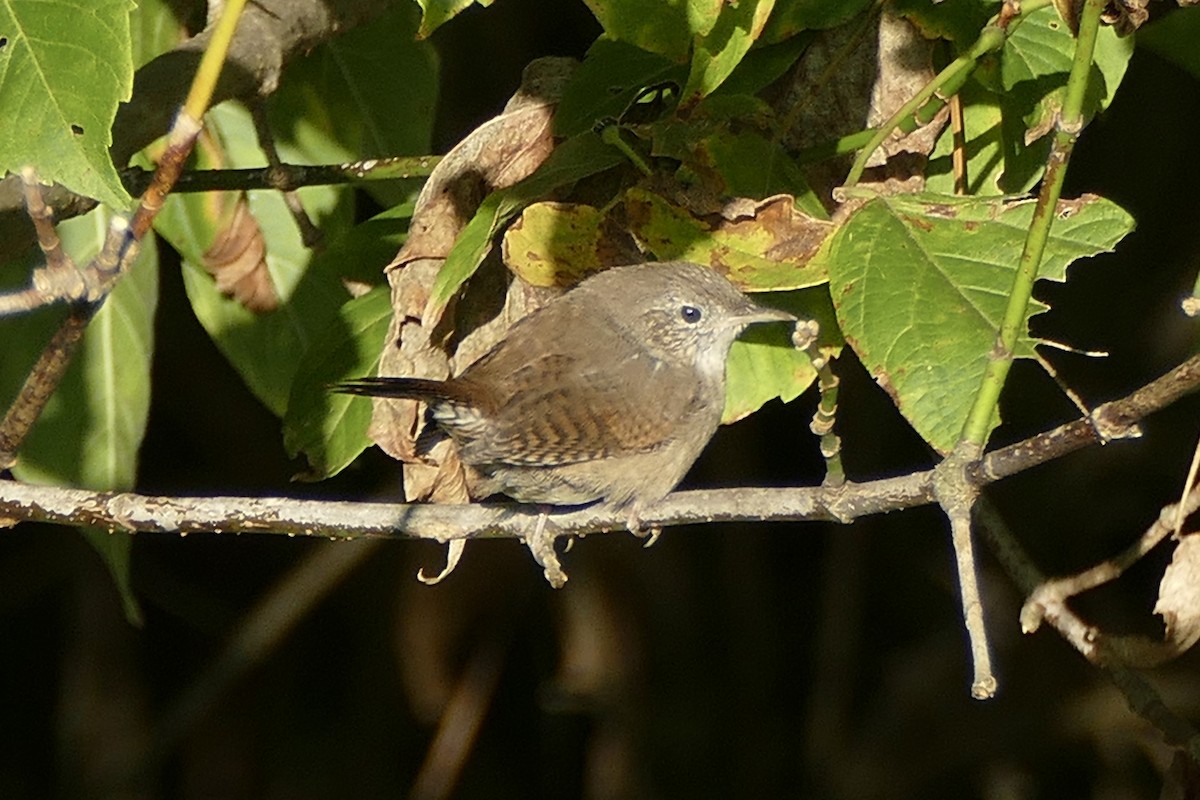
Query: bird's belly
x=619 y=481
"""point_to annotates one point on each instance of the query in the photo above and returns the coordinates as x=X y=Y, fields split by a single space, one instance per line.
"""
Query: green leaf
x=1173 y=36
x=656 y=25
x=154 y=29
x=920 y=284
x=764 y=365
x=65 y=67
x=266 y=348
x=766 y=249
x=435 y=13
x=762 y=66
x=717 y=52
x=92 y=427
x=754 y=166
x=344 y=101
x=794 y=16
x=608 y=82
x=362 y=252
x=576 y=158
x=960 y=21
x=1042 y=47
x=330 y=430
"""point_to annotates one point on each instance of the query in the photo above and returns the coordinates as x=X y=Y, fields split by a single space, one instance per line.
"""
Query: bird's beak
x=762 y=314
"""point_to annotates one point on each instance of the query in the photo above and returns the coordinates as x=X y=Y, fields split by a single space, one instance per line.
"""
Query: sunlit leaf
x=920 y=284
x=763 y=365
x=64 y=67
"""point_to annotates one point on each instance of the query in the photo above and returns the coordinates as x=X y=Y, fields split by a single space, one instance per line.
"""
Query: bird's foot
x=634 y=523
x=540 y=542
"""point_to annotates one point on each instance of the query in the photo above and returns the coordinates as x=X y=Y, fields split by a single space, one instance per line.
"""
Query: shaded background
x=727 y=661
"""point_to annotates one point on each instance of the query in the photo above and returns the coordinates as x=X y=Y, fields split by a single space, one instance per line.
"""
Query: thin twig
x=958 y=155
x=41 y=382
x=310 y=235
x=58 y=264
x=957 y=495
x=1140 y=695
x=1188 y=484
x=1113 y=420
x=1051 y=595
x=287 y=177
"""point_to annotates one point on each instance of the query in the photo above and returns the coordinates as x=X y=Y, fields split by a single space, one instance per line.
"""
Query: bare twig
x=137 y=513
x=1113 y=420
x=41 y=382
x=124 y=512
x=1141 y=697
x=957 y=495
x=1050 y=597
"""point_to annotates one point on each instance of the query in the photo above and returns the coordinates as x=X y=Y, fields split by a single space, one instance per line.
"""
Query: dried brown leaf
x=905 y=66
x=1179 y=594
x=237 y=260
x=497 y=154
x=850 y=79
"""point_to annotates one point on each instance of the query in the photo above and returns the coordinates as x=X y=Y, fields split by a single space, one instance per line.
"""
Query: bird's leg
x=540 y=542
x=633 y=522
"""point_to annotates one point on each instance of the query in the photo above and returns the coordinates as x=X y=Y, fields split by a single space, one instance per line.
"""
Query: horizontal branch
x=144 y=514
x=134 y=513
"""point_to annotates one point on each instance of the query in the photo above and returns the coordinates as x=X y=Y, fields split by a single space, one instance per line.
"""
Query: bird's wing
x=560 y=408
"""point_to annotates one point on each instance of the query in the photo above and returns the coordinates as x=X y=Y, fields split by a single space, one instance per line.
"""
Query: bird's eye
x=690 y=314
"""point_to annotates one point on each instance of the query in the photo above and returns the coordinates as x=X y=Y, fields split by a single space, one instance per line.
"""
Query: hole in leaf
x=3 y=41
x=76 y=129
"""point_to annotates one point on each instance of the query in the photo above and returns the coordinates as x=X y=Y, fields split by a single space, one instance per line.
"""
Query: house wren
x=608 y=392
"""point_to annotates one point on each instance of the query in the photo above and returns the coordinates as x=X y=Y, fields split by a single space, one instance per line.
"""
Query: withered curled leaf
x=237 y=260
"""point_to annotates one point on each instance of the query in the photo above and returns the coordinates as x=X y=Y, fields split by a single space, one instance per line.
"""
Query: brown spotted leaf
x=767 y=245
x=560 y=244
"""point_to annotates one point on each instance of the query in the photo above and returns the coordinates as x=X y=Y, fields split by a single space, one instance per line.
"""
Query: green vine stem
x=978 y=423
x=946 y=83
x=286 y=177
x=804 y=338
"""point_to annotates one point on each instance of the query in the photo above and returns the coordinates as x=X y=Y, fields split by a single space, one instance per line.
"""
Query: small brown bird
x=607 y=393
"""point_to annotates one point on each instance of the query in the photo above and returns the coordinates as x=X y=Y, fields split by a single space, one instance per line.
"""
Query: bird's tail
x=410 y=388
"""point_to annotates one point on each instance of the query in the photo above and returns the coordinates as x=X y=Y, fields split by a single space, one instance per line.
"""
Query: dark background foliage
x=729 y=661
